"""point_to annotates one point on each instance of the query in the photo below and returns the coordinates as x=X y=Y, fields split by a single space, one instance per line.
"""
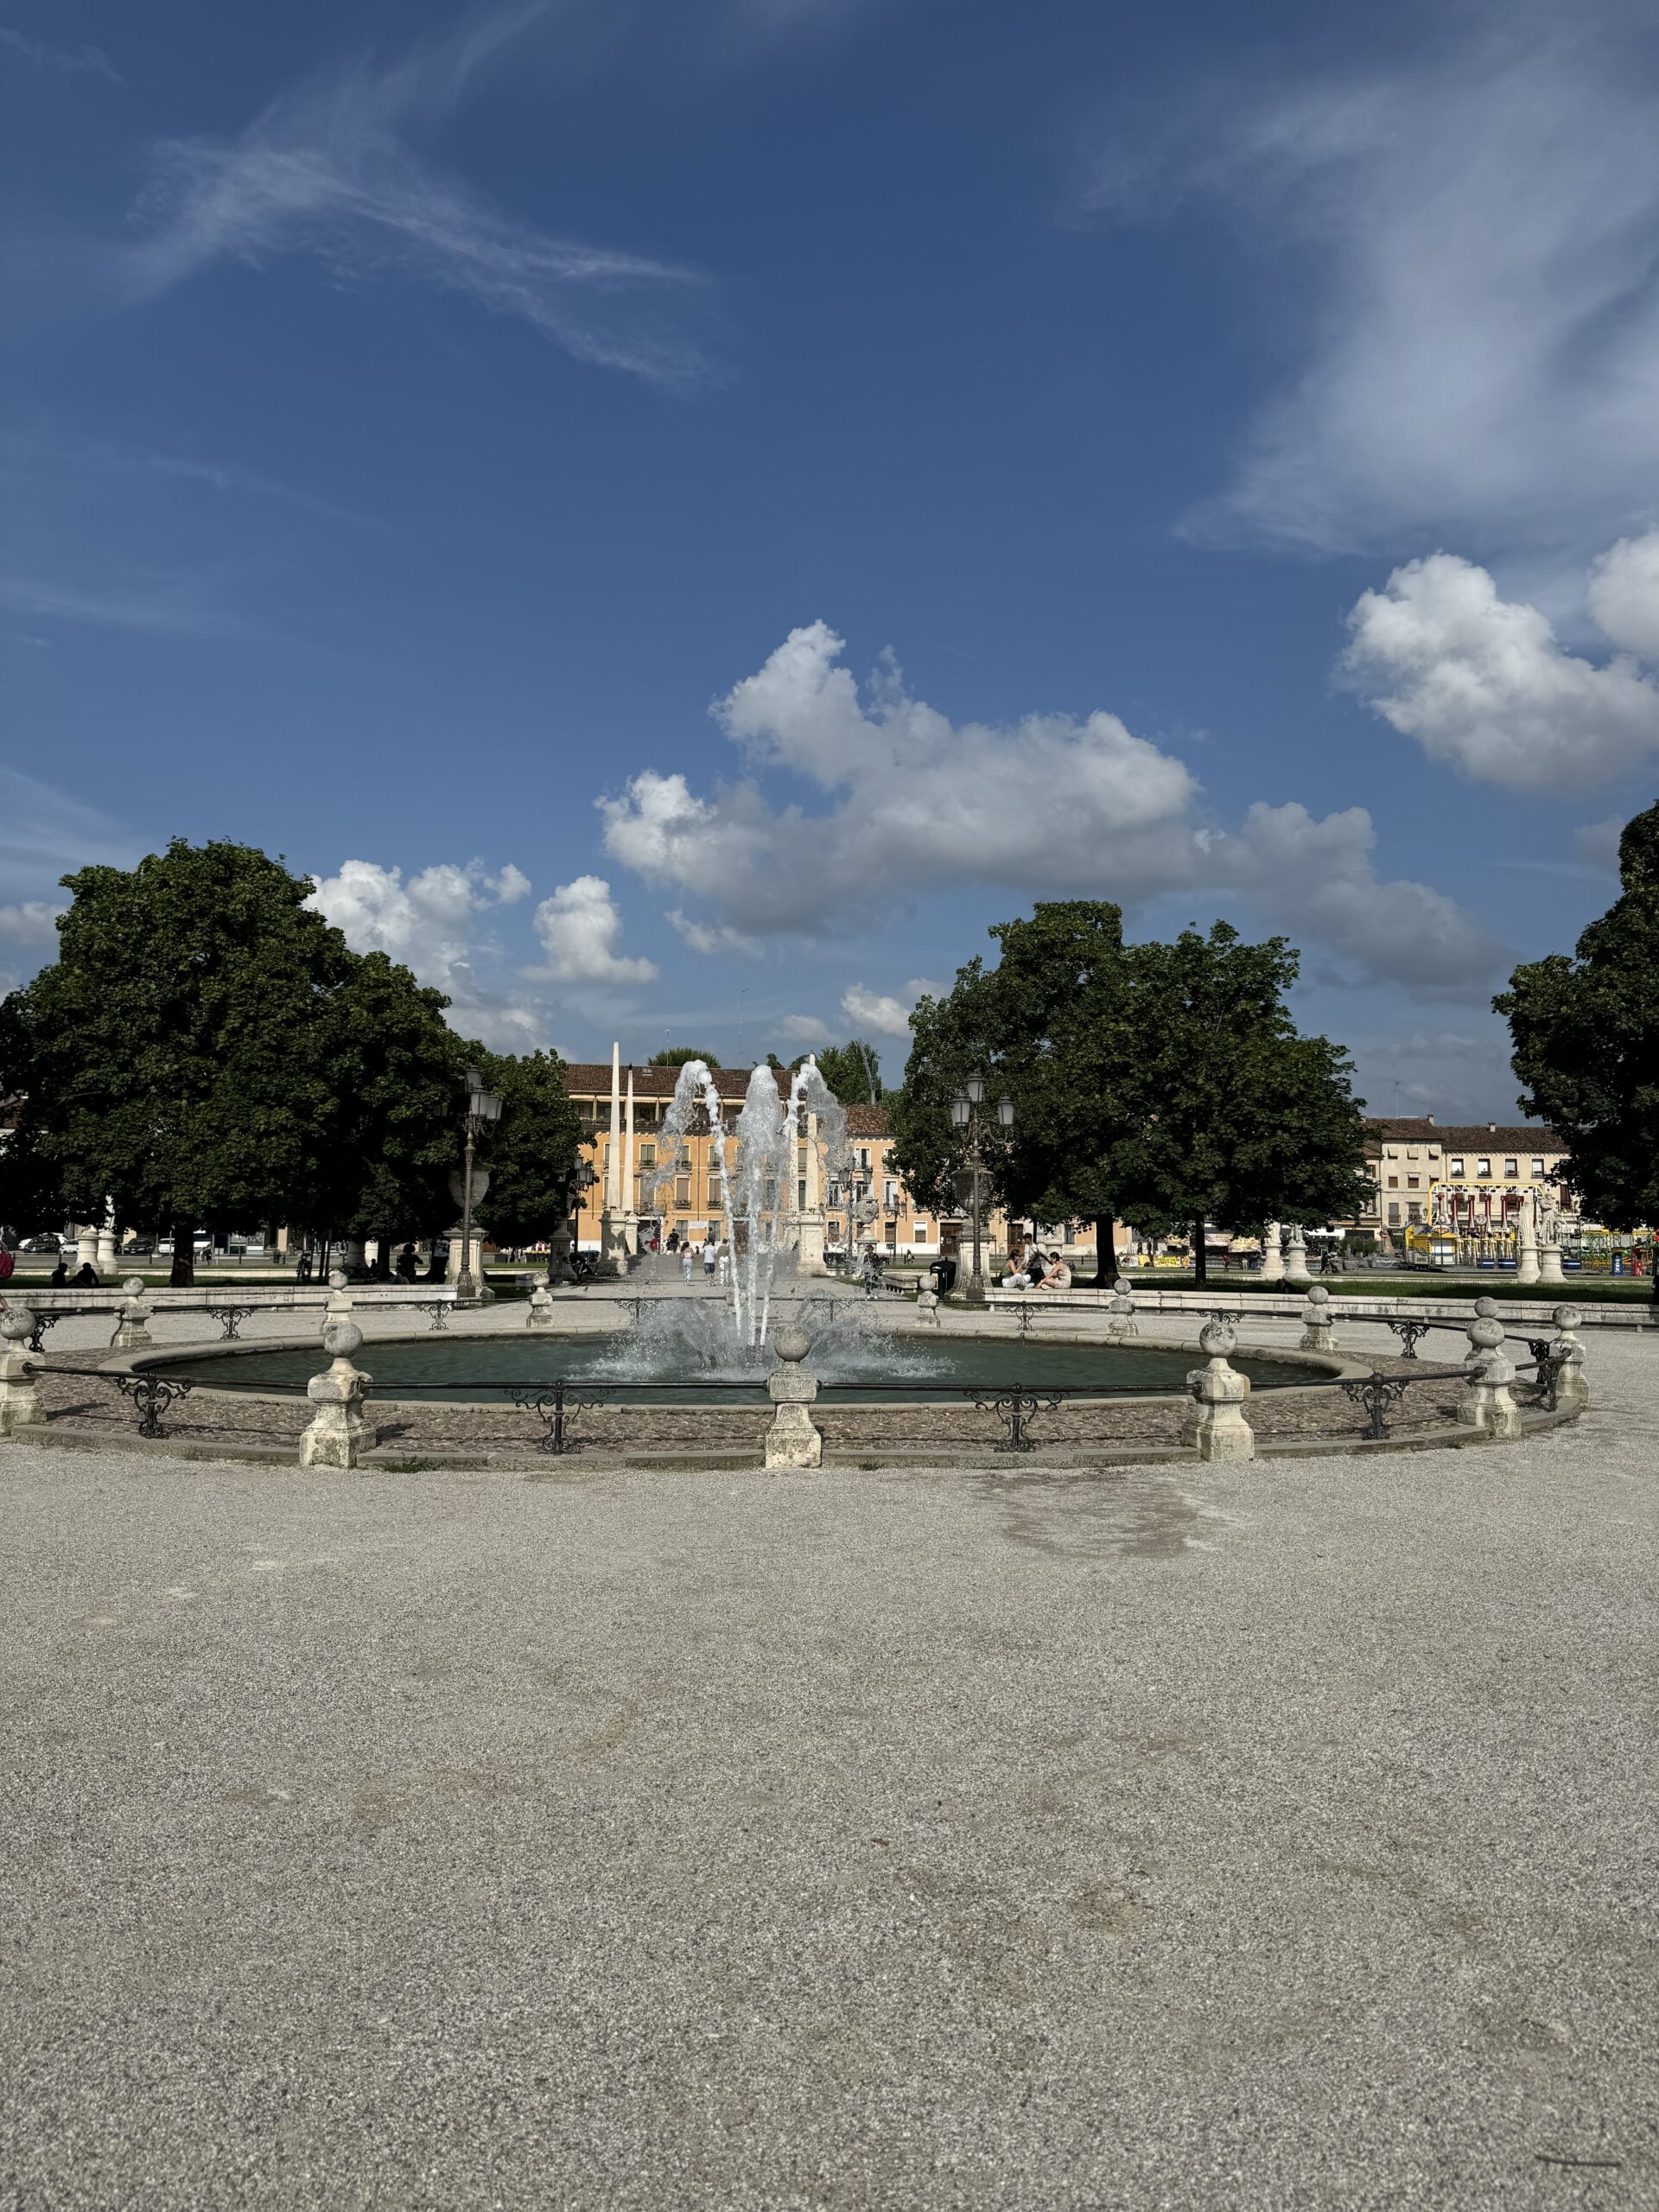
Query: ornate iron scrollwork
x=152 y=1395
x=557 y=1407
x=231 y=1318
x=1376 y=1393
x=1015 y=1409
x=1410 y=1333
x=437 y=1308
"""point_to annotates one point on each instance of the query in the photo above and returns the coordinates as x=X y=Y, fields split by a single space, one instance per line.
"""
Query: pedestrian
x=1058 y=1277
x=59 y=1274
x=710 y=1258
x=407 y=1265
x=685 y=1260
x=6 y=1264
x=725 y=1262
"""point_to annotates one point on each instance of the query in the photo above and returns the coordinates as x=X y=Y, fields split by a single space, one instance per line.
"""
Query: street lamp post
x=965 y=1113
x=483 y=1107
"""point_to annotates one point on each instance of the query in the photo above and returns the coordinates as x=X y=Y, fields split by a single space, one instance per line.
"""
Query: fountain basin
x=909 y=1367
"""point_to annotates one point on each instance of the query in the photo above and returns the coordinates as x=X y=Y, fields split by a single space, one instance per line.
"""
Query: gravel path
x=1271 y=1837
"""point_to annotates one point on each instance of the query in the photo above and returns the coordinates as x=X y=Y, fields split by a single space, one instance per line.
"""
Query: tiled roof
x=592 y=1079
x=1464 y=1136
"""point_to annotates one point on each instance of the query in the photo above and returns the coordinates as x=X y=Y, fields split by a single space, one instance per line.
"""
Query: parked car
x=138 y=1247
x=41 y=1244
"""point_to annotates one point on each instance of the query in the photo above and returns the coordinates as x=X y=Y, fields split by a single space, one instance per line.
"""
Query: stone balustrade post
x=132 y=1330
x=1214 y=1421
x=335 y=1435
x=541 y=1314
x=1120 y=1314
x=1273 y=1255
x=1295 y=1254
x=20 y=1401
x=338 y=1308
x=792 y=1441
x=1487 y=1404
x=1568 y=1350
x=1318 y=1316
x=927 y=1309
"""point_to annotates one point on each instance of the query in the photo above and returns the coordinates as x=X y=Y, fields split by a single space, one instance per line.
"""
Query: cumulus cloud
x=1053 y=803
x=888 y=1016
x=711 y=936
x=59 y=60
x=1483 y=683
x=917 y=800
x=28 y=921
x=433 y=924
x=805 y=1029
x=329 y=172
x=1624 y=594
x=580 y=927
x=1475 y=226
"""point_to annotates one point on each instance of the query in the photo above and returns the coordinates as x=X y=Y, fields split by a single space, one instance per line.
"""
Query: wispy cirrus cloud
x=329 y=171
x=1463 y=249
x=59 y=60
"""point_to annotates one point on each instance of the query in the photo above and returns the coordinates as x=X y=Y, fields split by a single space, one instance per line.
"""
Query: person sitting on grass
x=1058 y=1277
x=1025 y=1270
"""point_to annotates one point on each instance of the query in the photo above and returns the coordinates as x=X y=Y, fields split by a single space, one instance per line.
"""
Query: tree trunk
x=1105 y=1251
x=183 y=1272
x=1200 y=1258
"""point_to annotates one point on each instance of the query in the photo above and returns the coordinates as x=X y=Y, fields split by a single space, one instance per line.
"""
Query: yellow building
x=1468 y=1178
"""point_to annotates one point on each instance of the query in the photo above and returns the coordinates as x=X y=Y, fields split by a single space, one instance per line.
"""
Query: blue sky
x=680 y=515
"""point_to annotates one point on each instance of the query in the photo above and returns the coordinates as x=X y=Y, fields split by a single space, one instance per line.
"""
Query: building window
x=1457 y=1168
x=1394 y=1211
x=647 y=1155
x=1414 y=1182
x=893 y=1234
x=1484 y=1167
x=919 y=1233
x=835 y=1232
x=1394 y=1182
x=1512 y=1169
x=1415 y=1210
x=682 y=1192
x=1538 y=1167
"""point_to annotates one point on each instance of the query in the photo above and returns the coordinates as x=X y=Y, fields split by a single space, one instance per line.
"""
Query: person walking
x=685 y=1259
x=710 y=1258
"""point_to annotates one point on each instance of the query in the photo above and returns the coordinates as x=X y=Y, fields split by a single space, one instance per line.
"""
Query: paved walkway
x=1276 y=1837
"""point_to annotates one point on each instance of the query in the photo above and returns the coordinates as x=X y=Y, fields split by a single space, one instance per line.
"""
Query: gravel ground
x=1277 y=1836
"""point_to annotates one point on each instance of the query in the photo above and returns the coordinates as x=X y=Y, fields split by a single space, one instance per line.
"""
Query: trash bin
x=944 y=1273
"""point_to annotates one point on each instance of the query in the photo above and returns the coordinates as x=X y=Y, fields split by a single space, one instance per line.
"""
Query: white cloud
x=579 y=927
x=1049 y=806
x=324 y=172
x=889 y=1016
x=712 y=937
x=58 y=61
x=1624 y=594
x=1482 y=683
x=805 y=1029
x=45 y=834
x=920 y=802
x=433 y=925
x=1482 y=340
x=28 y=921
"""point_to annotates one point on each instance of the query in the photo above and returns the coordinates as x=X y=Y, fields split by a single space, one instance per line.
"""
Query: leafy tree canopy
x=676 y=1056
x=1162 y=1085
x=530 y=1151
x=1586 y=1034
x=852 y=1071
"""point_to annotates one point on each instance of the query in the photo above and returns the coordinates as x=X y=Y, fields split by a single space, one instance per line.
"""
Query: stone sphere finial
x=1217 y=1338
x=338 y=1279
x=340 y=1338
x=791 y=1342
x=1486 y=1309
x=1487 y=1333
x=16 y=1323
x=133 y=1285
x=1567 y=1317
x=1318 y=1294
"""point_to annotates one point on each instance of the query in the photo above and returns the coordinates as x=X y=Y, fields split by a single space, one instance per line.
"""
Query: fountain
x=760 y=1202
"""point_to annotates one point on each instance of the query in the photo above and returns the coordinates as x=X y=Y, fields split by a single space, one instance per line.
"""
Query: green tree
x=1046 y=1026
x=1232 y=1116
x=1585 y=1037
x=676 y=1056
x=167 y=1056
x=853 y=1071
x=531 y=1149
x=387 y=1137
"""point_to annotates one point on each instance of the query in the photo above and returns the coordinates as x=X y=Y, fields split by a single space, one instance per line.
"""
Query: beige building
x=1468 y=1178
